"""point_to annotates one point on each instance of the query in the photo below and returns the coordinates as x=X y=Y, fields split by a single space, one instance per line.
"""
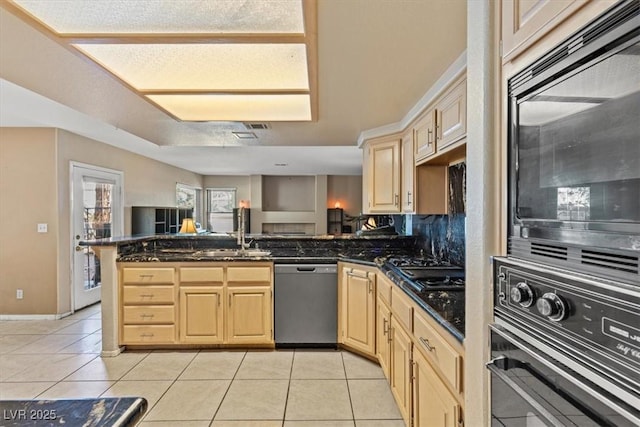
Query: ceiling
x=376 y=60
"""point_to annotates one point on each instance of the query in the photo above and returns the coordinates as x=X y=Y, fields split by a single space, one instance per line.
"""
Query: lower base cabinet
x=401 y=368
x=383 y=341
x=249 y=317
x=201 y=315
x=433 y=405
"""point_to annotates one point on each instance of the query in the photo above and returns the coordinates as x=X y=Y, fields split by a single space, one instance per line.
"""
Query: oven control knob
x=552 y=306
x=522 y=294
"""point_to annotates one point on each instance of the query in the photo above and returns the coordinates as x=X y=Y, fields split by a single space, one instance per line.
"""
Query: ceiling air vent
x=256 y=126
x=549 y=251
x=245 y=135
x=626 y=263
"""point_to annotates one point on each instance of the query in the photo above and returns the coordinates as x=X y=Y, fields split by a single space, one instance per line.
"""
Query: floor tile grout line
x=346 y=376
x=228 y=387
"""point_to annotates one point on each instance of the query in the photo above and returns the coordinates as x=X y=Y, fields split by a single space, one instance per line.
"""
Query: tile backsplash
x=441 y=235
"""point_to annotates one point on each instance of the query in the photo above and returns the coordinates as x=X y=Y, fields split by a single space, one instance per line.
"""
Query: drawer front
x=148 y=275
x=384 y=289
x=148 y=314
x=438 y=352
x=201 y=274
x=249 y=274
x=134 y=295
x=142 y=334
x=402 y=308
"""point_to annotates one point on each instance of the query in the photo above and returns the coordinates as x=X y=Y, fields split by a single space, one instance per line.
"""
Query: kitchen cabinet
x=213 y=303
x=526 y=21
x=433 y=404
x=408 y=170
x=451 y=116
x=357 y=290
x=382 y=175
x=148 y=305
x=401 y=360
x=383 y=341
x=425 y=134
x=201 y=308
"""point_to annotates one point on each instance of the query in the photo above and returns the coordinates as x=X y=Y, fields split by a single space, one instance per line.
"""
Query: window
x=190 y=197
x=220 y=205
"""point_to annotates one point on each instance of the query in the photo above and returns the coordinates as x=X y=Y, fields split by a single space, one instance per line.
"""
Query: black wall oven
x=574 y=148
x=565 y=341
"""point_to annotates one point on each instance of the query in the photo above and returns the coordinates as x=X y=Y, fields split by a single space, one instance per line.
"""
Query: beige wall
x=242 y=184
x=28 y=259
x=348 y=190
x=35 y=183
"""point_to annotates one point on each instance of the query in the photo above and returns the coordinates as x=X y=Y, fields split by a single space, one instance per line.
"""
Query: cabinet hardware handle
x=390 y=335
x=218 y=298
x=425 y=342
x=147 y=295
x=429 y=133
x=414 y=368
x=397 y=199
x=385 y=328
x=146 y=335
x=142 y=276
x=145 y=315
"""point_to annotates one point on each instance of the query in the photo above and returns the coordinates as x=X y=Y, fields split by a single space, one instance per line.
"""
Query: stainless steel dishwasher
x=306 y=305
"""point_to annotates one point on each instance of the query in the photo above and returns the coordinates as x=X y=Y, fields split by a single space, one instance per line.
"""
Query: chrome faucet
x=241 y=230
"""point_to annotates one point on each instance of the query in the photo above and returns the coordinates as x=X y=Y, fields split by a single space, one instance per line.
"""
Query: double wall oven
x=565 y=341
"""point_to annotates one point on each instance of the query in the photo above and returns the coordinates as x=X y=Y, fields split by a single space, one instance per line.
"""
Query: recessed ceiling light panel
x=167 y=16
x=268 y=108
x=204 y=66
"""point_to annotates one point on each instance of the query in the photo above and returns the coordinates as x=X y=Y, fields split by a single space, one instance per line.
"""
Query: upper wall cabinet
x=408 y=172
x=526 y=21
x=443 y=125
x=381 y=176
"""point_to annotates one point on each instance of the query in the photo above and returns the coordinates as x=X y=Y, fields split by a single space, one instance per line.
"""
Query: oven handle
x=494 y=367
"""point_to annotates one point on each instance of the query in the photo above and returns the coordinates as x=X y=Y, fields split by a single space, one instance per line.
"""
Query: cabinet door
x=383 y=343
x=384 y=177
x=451 y=116
x=201 y=315
x=433 y=405
x=424 y=135
x=400 y=368
x=249 y=318
x=358 y=310
x=526 y=21
x=408 y=171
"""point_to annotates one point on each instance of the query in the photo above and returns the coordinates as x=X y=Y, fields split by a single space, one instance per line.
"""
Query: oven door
x=529 y=389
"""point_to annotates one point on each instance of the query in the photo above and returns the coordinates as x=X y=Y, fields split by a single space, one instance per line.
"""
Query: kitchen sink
x=234 y=253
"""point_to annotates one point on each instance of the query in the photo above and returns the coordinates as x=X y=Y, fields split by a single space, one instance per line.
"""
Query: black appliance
x=565 y=348
x=574 y=151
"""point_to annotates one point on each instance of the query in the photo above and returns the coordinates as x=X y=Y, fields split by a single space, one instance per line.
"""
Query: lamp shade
x=188 y=226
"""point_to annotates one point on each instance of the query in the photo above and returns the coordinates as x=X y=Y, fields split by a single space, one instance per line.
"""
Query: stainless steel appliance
x=306 y=305
x=565 y=348
x=574 y=151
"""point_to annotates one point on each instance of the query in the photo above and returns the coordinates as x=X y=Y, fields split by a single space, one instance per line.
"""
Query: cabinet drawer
x=133 y=295
x=151 y=314
x=142 y=334
x=402 y=308
x=201 y=274
x=441 y=355
x=249 y=274
x=148 y=275
x=384 y=289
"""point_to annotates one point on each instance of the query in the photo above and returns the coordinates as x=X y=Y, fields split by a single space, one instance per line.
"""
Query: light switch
x=42 y=228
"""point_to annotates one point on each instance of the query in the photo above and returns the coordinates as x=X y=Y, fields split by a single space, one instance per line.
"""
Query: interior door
x=97 y=212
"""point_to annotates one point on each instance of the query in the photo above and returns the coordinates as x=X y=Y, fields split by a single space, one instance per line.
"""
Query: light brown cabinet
x=407 y=163
x=526 y=21
x=425 y=135
x=249 y=316
x=148 y=305
x=433 y=404
x=382 y=176
x=401 y=359
x=383 y=340
x=357 y=302
x=214 y=304
x=451 y=116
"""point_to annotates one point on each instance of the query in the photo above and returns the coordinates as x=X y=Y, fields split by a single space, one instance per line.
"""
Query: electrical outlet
x=19 y=294
x=42 y=228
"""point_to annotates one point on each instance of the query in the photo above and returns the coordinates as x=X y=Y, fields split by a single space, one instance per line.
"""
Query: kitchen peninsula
x=384 y=313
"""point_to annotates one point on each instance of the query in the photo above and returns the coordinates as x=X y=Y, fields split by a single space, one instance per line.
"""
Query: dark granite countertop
x=446 y=307
x=99 y=412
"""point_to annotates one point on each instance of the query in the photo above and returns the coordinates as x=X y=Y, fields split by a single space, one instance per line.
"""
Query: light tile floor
x=286 y=388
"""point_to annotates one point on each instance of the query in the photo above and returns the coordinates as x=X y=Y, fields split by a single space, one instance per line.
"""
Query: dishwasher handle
x=305 y=269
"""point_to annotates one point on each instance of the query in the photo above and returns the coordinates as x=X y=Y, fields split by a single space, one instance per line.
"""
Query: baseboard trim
x=112 y=353
x=33 y=316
